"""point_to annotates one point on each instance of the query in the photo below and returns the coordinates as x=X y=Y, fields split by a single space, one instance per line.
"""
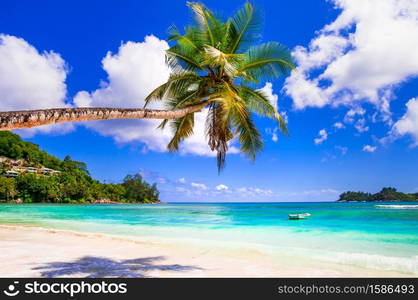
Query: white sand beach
x=38 y=252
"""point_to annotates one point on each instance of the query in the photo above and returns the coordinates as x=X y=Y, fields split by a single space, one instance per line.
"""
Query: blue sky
x=351 y=107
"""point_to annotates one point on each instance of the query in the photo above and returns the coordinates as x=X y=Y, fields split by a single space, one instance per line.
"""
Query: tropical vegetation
x=71 y=183
x=386 y=194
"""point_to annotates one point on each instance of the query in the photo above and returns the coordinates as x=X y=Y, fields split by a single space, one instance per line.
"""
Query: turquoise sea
x=379 y=236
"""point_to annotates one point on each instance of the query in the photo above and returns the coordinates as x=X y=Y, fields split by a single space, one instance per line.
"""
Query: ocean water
x=382 y=236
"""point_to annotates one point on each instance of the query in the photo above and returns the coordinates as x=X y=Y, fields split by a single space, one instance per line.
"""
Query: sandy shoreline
x=39 y=252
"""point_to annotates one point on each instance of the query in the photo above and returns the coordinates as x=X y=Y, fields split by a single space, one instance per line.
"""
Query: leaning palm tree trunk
x=10 y=120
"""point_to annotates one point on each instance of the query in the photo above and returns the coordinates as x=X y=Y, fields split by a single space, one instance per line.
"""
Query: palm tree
x=215 y=66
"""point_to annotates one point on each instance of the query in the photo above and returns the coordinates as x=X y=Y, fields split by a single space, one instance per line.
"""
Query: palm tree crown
x=215 y=62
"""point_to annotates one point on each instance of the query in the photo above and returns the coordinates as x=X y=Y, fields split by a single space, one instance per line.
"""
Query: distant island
x=31 y=175
x=389 y=194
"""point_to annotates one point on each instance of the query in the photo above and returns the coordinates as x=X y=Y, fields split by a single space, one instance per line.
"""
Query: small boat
x=299 y=216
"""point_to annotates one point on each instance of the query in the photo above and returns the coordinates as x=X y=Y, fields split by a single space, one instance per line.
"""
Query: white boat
x=299 y=216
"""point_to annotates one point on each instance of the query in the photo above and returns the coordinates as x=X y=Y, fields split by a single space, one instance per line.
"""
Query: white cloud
x=339 y=125
x=361 y=56
x=133 y=73
x=273 y=132
x=361 y=125
x=274 y=136
x=31 y=80
x=352 y=113
x=181 y=180
x=199 y=186
x=323 y=135
x=368 y=148
x=267 y=90
x=408 y=124
x=356 y=116
x=221 y=187
x=53 y=129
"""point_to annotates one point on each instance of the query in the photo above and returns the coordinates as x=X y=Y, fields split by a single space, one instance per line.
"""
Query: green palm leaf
x=182 y=128
x=267 y=61
x=180 y=58
x=245 y=29
x=249 y=137
x=257 y=102
x=176 y=85
x=211 y=28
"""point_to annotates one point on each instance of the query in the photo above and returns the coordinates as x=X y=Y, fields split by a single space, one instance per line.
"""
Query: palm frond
x=177 y=84
x=173 y=33
x=182 y=128
x=188 y=40
x=180 y=58
x=268 y=61
x=245 y=29
x=249 y=137
x=218 y=133
x=188 y=98
x=258 y=102
x=236 y=114
x=217 y=59
x=211 y=26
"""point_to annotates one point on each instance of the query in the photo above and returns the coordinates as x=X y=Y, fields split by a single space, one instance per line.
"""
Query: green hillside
x=29 y=174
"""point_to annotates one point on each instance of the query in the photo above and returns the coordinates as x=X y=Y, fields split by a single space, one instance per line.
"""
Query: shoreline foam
x=397 y=206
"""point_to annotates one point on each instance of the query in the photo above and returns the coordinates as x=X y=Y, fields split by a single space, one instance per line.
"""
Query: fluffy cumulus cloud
x=408 y=124
x=30 y=79
x=323 y=135
x=133 y=72
x=361 y=56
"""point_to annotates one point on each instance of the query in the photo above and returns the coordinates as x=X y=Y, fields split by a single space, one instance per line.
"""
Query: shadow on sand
x=92 y=267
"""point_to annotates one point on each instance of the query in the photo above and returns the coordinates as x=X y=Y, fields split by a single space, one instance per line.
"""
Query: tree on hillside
x=7 y=188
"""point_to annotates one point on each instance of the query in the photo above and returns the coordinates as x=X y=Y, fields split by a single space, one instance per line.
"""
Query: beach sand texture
x=38 y=252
